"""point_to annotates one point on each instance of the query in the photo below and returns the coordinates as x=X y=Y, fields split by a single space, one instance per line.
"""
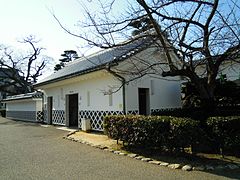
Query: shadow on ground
x=194 y=160
x=20 y=123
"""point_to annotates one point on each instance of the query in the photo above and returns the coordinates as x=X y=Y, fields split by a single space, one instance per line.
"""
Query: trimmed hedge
x=173 y=133
x=184 y=132
x=200 y=113
x=193 y=113
x=219 y=134
x=225 y=133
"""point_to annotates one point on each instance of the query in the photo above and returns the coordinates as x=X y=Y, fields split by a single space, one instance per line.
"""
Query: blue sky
x=32 y=17
x=20 y=18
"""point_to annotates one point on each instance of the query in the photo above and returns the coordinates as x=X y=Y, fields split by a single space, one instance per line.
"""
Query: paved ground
x=29 y=151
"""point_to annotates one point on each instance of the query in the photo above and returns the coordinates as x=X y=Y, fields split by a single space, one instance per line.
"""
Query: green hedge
x=184 y=132
x=168 y=132
x=219 y=134
x=225 y=132
x=200 y=113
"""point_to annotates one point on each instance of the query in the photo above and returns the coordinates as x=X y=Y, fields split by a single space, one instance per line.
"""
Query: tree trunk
x=206 y=92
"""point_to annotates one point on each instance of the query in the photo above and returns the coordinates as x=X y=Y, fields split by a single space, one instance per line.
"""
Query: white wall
x=96 y=84
x=24 y=109
x=27 y=105
x=163 y=93
x=231 y=69
x=39 y=103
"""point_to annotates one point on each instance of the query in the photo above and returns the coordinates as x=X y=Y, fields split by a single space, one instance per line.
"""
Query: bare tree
x=201 y=32
x=19 y=70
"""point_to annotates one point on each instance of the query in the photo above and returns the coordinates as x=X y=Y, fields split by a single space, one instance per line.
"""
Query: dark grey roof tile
x=97 y=60
x=24 y=96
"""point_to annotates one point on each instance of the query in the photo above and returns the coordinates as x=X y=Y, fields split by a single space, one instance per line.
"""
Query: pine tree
x=68 y=56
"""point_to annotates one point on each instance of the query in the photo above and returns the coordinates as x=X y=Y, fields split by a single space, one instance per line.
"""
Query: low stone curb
x=164 y=164
x=146 y=159
x=155 y=162
x=186 y=167
x=132 y=155
x=175 y=166
x=139 y=157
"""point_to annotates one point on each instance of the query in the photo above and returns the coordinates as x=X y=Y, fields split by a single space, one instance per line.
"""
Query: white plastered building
x=24 y=107
x=122 y=80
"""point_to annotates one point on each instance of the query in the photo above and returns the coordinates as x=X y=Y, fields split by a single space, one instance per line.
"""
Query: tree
x=202 y=33
x=141 y=25
x=68 y=55
x=19 y=70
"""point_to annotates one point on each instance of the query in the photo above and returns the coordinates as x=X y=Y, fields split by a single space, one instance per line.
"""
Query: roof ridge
x=85 y=58
x=97 y=60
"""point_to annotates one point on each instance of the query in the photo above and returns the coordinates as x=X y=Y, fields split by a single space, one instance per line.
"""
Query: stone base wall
x=31 y=116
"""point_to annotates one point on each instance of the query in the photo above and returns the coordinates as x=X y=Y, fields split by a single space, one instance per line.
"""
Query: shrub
x=193 y=113
x=158 y=131
x=225 y=132
x=151 y=131
x=221 y=134
x=226 y=93
x=136 y=129
x=184 y=132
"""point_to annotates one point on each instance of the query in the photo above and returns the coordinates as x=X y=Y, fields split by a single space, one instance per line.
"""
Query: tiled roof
x=24 y=96
x=97 y=61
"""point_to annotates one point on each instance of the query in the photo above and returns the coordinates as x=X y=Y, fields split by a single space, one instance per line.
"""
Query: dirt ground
x=96 y=138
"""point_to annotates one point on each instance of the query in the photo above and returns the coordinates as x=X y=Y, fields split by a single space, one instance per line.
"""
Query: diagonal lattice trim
x=58 y=117
x=40 y=115
x=96 y=118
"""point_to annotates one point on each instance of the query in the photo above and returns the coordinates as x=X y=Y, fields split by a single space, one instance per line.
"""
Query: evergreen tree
x=68 y=55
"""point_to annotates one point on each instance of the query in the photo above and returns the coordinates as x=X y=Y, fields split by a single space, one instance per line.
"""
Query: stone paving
x=101 y=141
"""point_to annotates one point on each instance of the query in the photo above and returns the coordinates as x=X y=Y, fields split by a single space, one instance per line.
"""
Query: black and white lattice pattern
x=134 y=112
x=39 y=116
x=96 y=117
x=153 y=111
x=79 y=120
x=58 y=117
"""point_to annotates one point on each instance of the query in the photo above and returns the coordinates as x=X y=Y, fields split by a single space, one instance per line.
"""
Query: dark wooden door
x=49 y=109
x=73 y=110
x=143 y=94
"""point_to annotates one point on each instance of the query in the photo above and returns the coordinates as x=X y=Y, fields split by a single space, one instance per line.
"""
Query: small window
x=88 y=98
x=110 y=98
x=61 y=93
x=58 y=100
